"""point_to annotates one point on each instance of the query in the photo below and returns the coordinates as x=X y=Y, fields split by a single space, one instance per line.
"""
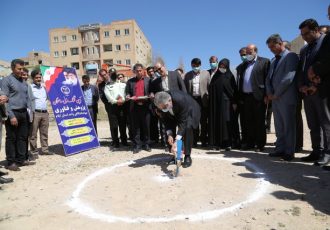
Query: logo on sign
x=65 y=90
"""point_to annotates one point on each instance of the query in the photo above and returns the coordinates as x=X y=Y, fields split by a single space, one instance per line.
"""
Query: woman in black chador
x=222 y=94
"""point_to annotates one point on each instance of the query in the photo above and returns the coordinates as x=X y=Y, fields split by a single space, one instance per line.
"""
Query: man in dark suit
x=282 y=91
x=91 y=95
x=252 y=95
x=137 y=91
x=315 y=96
x=197 y=82
x=167 y=80
x=179 y=109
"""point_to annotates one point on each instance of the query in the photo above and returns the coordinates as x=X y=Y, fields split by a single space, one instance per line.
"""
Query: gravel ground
x=222 y=190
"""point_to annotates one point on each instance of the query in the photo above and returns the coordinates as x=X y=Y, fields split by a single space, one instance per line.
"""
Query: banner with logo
x=70 y=110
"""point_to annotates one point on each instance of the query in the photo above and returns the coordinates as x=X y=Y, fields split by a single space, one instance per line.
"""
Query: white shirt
x=247 y=86
x=195 y=82
x=165 y=83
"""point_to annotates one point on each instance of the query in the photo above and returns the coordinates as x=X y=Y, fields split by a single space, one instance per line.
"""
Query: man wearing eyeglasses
x=315 y=96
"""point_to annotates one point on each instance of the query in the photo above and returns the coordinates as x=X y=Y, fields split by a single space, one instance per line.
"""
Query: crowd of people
x=213 y=109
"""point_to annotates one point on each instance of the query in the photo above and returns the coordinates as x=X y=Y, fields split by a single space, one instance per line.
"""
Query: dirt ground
x=100 y=189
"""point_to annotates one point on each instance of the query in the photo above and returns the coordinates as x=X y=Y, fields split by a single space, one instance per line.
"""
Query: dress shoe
x=26 y=163
x=47 y=153
x=136 y=150
x=187 y=161
x=276 y=154
x=311 y=157
x=287 y=157
x=247 y=147
x=124 y=143
x=326 y=168
x=227 y=148
x=298 y=149
x=13 y=167
x=147 y=148
x=324 y=160
x=3 y=173
x=260 y=149
x=5 y=180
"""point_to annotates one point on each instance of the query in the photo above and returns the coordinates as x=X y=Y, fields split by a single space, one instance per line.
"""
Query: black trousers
x=318 y=120
x=117 y=118
x=188 y=140
x=140 y=125
x=269 y=111
x=93 y=115
x=202 y=133
x=154 y=129
x=235 y=135
x=17 y=138
x=253 y=121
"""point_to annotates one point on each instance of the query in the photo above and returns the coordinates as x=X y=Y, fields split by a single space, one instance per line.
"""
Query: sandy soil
x=222 y=190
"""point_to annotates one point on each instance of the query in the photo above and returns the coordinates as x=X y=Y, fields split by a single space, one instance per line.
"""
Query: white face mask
x=249 y=57
x=222 y=70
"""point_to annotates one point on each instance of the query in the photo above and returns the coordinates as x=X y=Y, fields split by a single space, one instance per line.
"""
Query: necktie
x=277 y=59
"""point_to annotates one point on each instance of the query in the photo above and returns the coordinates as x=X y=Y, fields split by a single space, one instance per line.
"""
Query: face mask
x=243 y=58
x=213 y=65
x=157 y=74
x=222 y=70
x=249 y=57
x=168 y=108
x=196 y=69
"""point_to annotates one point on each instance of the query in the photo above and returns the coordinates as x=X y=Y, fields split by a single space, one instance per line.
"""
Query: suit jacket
x=258 y=77
x=319 y=59
x=186 y=113
x=96 y=97
x=130 y=90
x=175 y=82
x=204 y=82
x=281 y=82
x=3 y=111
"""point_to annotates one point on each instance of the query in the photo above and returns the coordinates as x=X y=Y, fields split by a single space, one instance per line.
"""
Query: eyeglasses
x=158 y=69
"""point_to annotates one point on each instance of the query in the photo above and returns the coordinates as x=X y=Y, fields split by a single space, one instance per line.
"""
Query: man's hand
x=3 y=99
x=13 y=121
x=312 y=76
x=234 y=107
x=311 y=90
x=120 y=101
x=170 y=140
x=173 y=148
x=152 y=96
x=303 y=90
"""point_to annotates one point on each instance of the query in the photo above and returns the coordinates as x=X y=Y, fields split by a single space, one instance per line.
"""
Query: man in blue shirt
x=91 y=95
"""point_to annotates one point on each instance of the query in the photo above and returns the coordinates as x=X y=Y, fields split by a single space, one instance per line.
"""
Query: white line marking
x=82 y=208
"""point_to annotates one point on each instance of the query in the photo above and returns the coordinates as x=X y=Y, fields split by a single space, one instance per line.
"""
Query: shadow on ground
x=310 y=183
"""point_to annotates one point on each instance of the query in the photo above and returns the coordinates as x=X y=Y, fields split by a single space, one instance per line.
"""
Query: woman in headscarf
x=222 y=95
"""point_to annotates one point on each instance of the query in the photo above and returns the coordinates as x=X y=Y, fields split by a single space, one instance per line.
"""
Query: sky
x=177 y=29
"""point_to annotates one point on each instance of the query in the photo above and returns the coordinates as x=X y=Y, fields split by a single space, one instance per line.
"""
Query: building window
x=109 y=62
x=128 y=61
x=73 y=37
x=117 y=32
x=64 y=38
x=118 y=62
x=64 y=53
x=127 y=46
x=107 y=48
x=75 y=65
x=74 y=51
x=56 y=39
x=106 y=34
x=56 y=54
x=118 y=48
x=93 y=50
x=126 y=31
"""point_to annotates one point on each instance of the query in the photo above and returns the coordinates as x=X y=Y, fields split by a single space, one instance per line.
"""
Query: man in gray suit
x=197 y=82
x=281 y=90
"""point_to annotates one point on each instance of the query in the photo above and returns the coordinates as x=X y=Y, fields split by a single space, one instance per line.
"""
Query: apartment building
x=88 y=47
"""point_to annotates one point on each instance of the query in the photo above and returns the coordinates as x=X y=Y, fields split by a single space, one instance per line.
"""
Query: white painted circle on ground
x=79 y=206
